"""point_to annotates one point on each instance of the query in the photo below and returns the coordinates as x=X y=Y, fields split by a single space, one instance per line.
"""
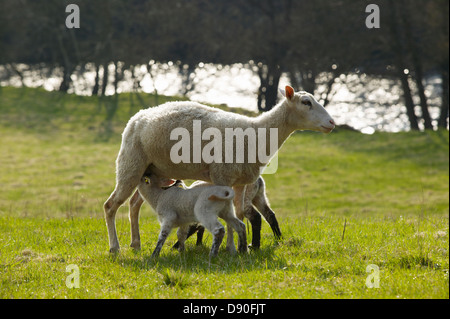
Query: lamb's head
x=305 y=113
x=154 y=181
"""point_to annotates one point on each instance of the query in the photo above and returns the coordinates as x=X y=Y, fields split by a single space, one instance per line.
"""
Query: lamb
x=146 y=146
x=255 y=205
x=181 y=206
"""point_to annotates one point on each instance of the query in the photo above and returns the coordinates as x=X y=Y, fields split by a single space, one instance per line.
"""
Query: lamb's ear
x=289 y=92
x=166 y=182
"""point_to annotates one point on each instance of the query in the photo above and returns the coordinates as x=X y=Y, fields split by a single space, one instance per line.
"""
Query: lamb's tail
x=225 y=193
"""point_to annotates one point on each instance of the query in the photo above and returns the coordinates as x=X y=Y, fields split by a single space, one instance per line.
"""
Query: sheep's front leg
x=238 y=202
x=269 y=216
x=255 y=220
x=136 y=202
x=262 y=204
x=239 y=197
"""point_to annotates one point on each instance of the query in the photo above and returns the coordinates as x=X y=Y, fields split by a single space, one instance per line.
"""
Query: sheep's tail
x=223 y=195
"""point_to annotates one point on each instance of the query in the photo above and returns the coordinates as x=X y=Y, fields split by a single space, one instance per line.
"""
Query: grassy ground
x=388 y=191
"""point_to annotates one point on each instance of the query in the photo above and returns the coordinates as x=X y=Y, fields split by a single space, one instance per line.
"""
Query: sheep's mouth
x=327 y=129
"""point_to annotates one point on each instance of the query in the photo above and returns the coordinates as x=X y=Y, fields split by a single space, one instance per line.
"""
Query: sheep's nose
x=332 y=123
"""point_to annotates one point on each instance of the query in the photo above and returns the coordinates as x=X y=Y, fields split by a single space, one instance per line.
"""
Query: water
x=366 y=103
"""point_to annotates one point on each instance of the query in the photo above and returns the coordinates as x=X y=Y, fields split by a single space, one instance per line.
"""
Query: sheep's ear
x=283 y=92
x=289 y=92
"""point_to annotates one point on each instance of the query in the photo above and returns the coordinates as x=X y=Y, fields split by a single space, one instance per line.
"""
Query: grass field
x=57 y=157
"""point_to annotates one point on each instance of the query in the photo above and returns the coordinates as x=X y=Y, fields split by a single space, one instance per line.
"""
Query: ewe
x=146 y=146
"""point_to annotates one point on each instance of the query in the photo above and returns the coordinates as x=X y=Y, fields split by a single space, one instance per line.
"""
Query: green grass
x=57 y=155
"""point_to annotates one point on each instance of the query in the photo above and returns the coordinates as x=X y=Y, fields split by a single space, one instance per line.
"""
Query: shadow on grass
x=196 y=260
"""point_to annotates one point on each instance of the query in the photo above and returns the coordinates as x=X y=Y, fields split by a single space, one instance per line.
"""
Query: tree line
x=299 y=38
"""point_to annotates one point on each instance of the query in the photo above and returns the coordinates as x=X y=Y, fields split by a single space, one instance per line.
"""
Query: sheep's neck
x=277 y=117
x=154 y=192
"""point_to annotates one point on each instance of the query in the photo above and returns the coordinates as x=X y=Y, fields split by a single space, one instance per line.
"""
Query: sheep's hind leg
x=129 y=174
x=136 y=202
x=117 y=198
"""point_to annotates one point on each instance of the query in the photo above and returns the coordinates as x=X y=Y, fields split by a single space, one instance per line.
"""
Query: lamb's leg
x=255 y=220
x=230 y=240
x=214 y=226
x=200 y=232
x=239 y=227
x=164 y=233
x=182 y=234
x=129 y=172
x=193 y=228
x=218 y=232
x=136 y=202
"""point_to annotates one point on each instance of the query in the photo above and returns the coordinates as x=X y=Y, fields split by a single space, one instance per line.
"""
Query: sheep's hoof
x=232 y=251
x=135 y=246
x=213 y=254
x=243 y=249
x=114 y=250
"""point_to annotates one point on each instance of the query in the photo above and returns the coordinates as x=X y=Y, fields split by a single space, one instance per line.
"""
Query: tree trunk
x=399 y=58
x=105 y=79
x=408 y=101
x=330 y=84
x=187 y=81
x=443 y=118
x=269 y=77
x=417 y=64
x=117 y=76
x=308 y=81
x=97 y=76
x=65 y=84
x=423 y=101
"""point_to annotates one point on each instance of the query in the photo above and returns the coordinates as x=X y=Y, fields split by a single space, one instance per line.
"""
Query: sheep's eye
x=308 y=103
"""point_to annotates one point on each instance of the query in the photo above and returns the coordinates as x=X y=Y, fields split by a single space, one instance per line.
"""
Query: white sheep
x=146 y=146
x=181 y=206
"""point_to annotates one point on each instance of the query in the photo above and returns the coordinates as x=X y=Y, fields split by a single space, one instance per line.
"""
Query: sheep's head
x=305 y=113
